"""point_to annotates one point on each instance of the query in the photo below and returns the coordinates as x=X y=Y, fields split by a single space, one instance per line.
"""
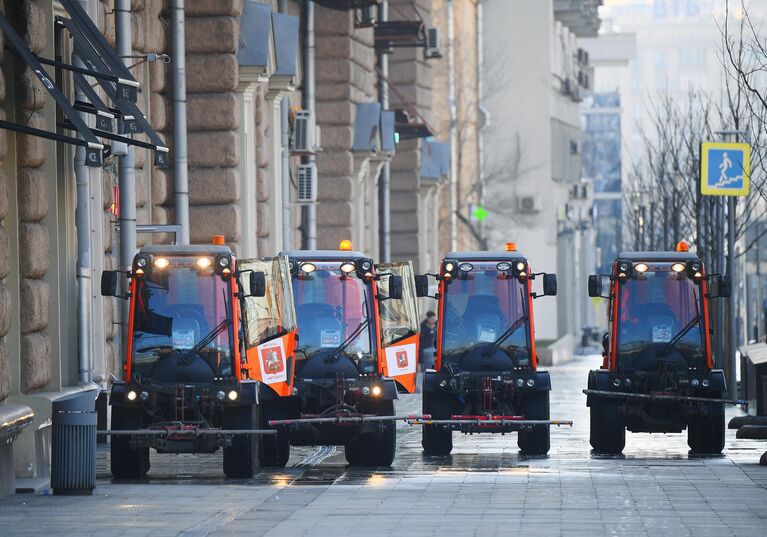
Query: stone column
x=345 y=76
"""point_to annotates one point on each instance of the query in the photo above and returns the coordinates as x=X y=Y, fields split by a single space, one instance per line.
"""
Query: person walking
x=428 y=339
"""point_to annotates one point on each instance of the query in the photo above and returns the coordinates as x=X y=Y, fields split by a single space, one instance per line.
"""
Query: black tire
x=355 y=452
x=382 y=447
x=436 y=439
x=608 y=430
x=241 y=458
x=705 y=433
x=125 y=461
x=275 y=449
x=535 y=440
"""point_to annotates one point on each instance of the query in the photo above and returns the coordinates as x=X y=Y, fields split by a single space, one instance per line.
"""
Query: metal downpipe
x=384 y=185
x=83 y=229
x=310 y=100
x=180 y=155
x=287 y=227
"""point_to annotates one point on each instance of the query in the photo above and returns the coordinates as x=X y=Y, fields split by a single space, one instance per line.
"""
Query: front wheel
x=127 y=462
x=608 y=430
x=275 y=448
x=705 y=433
x=535 y=439
x=436 y=439
x=375 y=449
x=241 y=457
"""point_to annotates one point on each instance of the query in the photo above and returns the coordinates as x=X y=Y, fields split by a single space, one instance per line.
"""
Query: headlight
x=366 y=265
x=465 y=267
x=530 y=383
x=144 y=396
x=678 y=267
x=624 y=266
x=520 y=383
x=365 y=390
x=203 y=262
x=641 y=267
x=503 y=266
x=223 y=261
x=705 y=383
x=308 y=268
x=442 y=383
x=161 y=262
x=694 y=383
x=233 y=395
x=449 y=267
x=220 y=395
x=521 y=266
x=376 y=391
x=627 y=382
x=141 y=262
x=346 y=268
x=616 y=382
x=131 y=395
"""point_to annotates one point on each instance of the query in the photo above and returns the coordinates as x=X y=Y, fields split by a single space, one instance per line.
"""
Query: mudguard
x=542 y=381
x=430 y=381
x=599 y=379
x=718 y=382
x=389 y=392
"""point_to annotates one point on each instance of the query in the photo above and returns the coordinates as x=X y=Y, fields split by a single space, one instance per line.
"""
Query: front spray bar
x=664 y=397
x=347 y=419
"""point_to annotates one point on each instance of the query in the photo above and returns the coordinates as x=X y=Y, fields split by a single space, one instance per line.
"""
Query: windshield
x=479 y=309
x=332 y=309
x=660 y=309
x=175 y=308
x=271 y=315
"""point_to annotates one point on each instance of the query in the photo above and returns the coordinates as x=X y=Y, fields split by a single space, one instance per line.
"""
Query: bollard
x=73 y=465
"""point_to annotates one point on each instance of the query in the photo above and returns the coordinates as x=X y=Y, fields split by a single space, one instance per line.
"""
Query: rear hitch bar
x=347 y=419
x=664 y=397
x=492 y=422
x=186 y=433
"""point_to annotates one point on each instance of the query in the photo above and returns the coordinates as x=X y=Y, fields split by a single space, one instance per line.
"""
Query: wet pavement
x=484 y=488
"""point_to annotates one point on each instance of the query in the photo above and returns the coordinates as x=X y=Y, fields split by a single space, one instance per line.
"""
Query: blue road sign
x=725 y=169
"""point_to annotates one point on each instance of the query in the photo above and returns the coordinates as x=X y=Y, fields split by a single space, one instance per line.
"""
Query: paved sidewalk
x=484 y=488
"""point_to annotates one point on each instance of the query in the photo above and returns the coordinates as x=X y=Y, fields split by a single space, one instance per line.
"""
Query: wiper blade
x=507 y=334
x=674 y=340
x=184 y=358
x=357 y=331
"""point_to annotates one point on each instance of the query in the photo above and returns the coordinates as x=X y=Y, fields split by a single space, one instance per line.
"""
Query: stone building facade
x=235 y=170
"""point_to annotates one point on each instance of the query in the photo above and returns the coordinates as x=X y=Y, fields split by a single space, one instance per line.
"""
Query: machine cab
x=186 y=303
x=658 y=311
x=486 y=311
x=355 y=318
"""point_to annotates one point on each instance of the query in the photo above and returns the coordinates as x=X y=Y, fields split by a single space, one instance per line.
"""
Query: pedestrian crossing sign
x=725 y=169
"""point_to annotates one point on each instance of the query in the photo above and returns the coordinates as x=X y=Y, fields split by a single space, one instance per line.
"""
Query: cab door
x=398 y=325
x=269 y=324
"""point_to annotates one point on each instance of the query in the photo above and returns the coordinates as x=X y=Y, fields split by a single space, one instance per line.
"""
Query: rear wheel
x=705 y=433
x=608 y=431
x=436 y=439
x=241 y=457
x=127 y=462
x=535 y=440
x=275 y=448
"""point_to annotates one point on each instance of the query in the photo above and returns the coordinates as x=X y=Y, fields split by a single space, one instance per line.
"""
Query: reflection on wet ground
x=484 y=487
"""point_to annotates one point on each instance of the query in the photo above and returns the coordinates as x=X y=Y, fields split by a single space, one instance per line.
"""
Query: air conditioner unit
x=365 y=17
x=304 y=133
x=307 y=183
x=432 y=43
x=529 y=204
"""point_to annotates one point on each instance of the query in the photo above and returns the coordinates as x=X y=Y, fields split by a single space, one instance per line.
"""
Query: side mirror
x=721 y=286
x=421 y=285
x=595 y=285
x=550 y=284
x=257 y=281
x=109 y=283
x=395 y=287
